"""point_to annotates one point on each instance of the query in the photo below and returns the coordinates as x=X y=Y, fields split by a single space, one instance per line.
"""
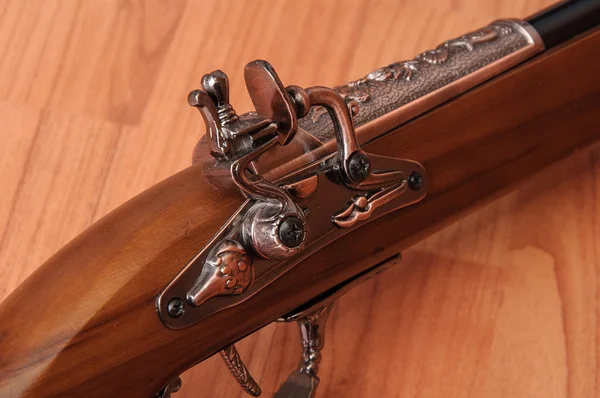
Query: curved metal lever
x=342 y=121
x=354 y=164
x=260 y=241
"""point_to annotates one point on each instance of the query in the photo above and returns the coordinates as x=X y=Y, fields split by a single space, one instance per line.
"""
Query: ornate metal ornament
x=227 y=271
x=272 y=231
x=395 y=93
x=288 y=217
x=360 y=90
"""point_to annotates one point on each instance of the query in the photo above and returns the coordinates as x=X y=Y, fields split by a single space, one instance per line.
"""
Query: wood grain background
x=93 y=110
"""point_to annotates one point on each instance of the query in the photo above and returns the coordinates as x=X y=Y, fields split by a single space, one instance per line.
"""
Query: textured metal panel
x=389 y=88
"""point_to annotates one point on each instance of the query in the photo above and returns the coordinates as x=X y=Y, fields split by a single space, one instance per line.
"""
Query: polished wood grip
x=85 y=323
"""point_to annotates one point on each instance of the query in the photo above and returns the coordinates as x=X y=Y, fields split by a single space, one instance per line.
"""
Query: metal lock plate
x=282 y=222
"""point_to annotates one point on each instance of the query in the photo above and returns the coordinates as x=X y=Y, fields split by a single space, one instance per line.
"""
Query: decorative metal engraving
x=229 y=271
x=238 y=370
x=228 y=134
x=288 y=217
x=400 y=83
x=303 y=382
x=359 y=90
x=312 y=333
x=382 y=99
x=271 y=231
x=362 y=206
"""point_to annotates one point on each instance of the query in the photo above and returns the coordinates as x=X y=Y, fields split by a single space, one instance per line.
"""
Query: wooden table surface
x=93 y=110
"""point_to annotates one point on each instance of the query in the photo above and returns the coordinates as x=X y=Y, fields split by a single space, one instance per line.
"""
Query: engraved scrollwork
x=362 y=90
x=356 y=90
x=229 y=271
x=441 y=54
x=362 y=206
x=238 y=370
x=359 y=91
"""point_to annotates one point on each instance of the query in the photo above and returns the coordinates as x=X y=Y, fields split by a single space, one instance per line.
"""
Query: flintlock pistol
x=287 y=207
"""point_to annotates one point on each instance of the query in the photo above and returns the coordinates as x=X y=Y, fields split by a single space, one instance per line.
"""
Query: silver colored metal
x=328 y=199
x=238 y=370
x=234 y=134
x=303 y=382
x=312 y=334
x=311 y=320
x=273 y=205
x=229 y=135
x=298 y=385
x=362 y=206
x=172 y=387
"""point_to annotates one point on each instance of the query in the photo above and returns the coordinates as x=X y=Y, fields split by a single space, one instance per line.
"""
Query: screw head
x=176 y=307
x=415 y=180
x=292 y=231
x=359 y=166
